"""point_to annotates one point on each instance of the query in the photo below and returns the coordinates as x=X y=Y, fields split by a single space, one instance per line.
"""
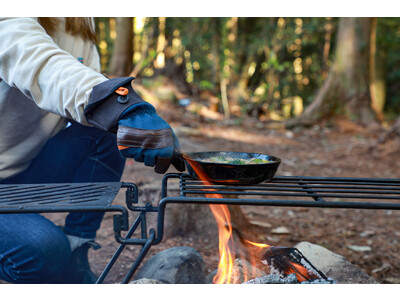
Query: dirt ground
x=341 y=150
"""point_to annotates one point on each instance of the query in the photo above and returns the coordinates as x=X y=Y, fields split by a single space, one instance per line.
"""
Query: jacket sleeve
x=33 y=63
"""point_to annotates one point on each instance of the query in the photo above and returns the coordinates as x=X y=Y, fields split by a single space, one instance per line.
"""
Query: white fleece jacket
x=42 y=83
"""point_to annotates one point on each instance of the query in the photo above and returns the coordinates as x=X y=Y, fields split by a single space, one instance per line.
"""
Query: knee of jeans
x=109 y=148
x=37 y=261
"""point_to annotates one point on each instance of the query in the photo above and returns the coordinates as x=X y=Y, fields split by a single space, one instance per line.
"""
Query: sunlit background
x=268 y=68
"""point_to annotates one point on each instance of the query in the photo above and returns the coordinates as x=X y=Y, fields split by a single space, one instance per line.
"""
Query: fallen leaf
x=261 y=223
x=367 y=233
x=280 y=230
x=383 y=268
x=359 y=248
x=392 y=280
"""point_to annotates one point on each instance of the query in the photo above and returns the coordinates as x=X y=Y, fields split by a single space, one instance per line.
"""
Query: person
x=62 y=121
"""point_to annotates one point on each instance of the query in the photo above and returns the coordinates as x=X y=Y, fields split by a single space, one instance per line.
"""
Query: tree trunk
x=147 y=37
x=379 y=83
x=216 y=60
x=377 y=75
x=122 y=58
x=159 y=63
x=346 y=89
x=327 y=46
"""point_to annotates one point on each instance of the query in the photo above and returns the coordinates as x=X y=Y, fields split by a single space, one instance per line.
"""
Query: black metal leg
x=140 y=258
x=118 y=252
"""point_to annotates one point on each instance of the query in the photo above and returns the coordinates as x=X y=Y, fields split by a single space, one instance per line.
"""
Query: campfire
x=286 y=265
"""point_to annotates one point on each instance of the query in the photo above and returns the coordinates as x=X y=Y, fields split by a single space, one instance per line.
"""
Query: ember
x=285 y=261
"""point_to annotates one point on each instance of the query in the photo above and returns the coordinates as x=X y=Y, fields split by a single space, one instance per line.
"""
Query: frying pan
x=233 y=174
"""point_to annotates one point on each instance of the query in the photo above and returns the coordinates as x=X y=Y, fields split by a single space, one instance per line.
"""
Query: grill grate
x=332 y=192
x=20 y=197
x=305 y=191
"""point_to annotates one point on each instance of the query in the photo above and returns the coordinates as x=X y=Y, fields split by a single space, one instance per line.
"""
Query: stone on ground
x=174 y=265
x=333 y=265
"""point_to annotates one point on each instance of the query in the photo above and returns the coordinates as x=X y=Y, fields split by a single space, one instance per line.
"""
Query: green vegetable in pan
x=236 y=161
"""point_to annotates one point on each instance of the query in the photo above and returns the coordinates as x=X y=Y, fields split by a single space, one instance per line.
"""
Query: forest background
x=292 y=70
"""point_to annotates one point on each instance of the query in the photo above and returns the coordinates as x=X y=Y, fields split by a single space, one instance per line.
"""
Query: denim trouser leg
x=32 y=249
x=76 y=154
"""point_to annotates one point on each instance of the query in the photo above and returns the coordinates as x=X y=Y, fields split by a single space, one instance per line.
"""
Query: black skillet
x=234 y=174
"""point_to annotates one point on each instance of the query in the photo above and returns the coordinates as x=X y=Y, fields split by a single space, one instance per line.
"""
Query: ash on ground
x=290 y=279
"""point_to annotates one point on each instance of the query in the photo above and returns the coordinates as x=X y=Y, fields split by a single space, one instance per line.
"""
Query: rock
x=359 y=248
x=333 y=265
x=174 y=265
x=280 y=230
x=210 y=277
x=289 y=134
x=148 y=281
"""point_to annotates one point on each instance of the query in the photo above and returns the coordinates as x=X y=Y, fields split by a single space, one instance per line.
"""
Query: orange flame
x=225 y=274
x=225 y=265
x=301 y=272
x=222 y=216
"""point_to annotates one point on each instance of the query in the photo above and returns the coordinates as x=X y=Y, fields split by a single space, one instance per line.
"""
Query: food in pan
x=235 y=161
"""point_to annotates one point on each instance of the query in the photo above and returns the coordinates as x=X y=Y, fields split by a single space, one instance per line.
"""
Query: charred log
x=284 y=261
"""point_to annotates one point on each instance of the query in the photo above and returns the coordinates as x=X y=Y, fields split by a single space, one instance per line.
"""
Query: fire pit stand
x=293 y=191
x=289 y=191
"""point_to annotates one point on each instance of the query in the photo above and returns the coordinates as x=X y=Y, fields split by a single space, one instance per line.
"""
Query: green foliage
x=267 y=62
x=206 y=85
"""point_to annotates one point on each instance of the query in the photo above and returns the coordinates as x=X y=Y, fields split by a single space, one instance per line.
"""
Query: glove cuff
x=138 y=109
x=105 y=106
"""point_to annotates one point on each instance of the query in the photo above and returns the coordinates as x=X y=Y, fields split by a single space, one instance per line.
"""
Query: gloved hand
x=141 y=133
x=145 y=136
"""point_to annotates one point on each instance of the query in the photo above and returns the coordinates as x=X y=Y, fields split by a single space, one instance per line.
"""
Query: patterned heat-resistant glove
x=146 y=137
x=141 y=133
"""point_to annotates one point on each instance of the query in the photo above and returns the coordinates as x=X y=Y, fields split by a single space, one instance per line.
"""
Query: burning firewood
x=243 y=271
x=284 y=261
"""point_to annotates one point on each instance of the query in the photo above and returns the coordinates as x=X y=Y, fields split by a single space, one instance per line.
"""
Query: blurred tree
x=268 y=68
x=122 y=57
x=387 y=79
x=161 y=44
x=346 y=89
x=387 y=75
x=105 y=43
x=229 y=36
x=147 y=52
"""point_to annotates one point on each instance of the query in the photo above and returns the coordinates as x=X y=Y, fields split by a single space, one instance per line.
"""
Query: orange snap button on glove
x=122 y=91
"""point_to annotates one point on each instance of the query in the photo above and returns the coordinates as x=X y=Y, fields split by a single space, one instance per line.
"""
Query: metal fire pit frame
x=289 y=191
x=323 y=192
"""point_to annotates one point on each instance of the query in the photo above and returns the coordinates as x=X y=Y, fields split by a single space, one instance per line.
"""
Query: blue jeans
x=32 y=248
